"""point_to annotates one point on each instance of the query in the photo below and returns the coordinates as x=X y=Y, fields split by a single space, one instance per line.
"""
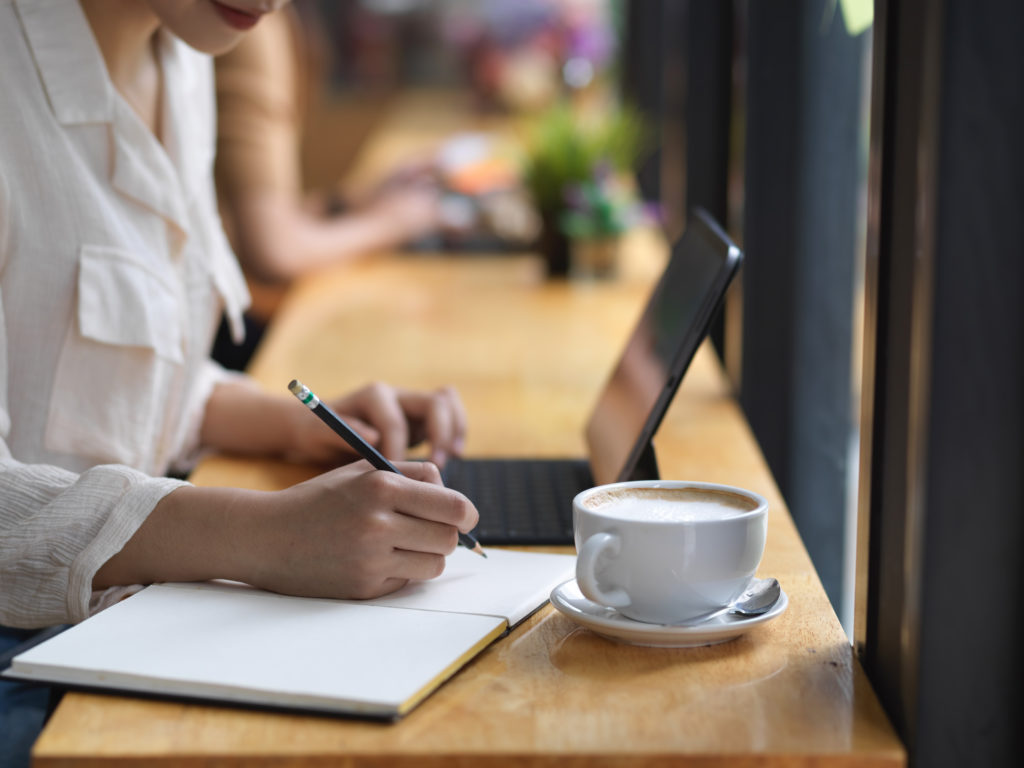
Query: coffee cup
x=667 y=552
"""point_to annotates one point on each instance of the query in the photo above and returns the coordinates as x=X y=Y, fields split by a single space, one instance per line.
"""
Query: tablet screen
x=671 y=328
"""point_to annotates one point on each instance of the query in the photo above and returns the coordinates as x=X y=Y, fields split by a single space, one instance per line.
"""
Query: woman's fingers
x=401 y=418
x=424 y=471
x=378 y=405
x=440 y=418
x=359 y=532
x=418 y=566
x=424 y=500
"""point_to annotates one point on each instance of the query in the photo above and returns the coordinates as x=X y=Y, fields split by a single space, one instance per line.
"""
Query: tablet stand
x=646 y=467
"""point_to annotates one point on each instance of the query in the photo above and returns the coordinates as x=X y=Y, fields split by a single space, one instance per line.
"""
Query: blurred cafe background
x=867 y=158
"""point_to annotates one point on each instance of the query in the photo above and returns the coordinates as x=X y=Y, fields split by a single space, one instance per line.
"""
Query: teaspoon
x=759 y=597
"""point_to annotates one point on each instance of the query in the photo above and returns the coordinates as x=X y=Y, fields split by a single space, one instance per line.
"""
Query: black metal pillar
x=800 y=237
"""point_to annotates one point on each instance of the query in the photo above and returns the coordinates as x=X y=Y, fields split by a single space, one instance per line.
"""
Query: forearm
x=193 y=534
x=241 y=419
x=280 y=240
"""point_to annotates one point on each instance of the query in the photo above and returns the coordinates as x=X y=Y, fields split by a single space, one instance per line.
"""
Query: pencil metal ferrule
x=304 y=394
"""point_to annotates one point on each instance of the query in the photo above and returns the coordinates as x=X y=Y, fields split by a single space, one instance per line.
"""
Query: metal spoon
x=759 y=597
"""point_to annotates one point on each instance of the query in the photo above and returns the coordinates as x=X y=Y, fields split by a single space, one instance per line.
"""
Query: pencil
x=367 y=451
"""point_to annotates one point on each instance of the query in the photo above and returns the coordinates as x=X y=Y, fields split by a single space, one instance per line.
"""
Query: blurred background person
x=279 y=230
x=299 y=96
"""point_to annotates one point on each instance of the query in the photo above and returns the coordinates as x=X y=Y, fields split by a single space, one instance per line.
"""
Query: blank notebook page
x=218 y=641
x=506 y=583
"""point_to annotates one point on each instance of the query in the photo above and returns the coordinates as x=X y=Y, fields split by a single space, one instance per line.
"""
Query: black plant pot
x=553 y=245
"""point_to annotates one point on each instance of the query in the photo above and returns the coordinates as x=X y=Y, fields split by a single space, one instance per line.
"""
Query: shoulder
x=267 y=53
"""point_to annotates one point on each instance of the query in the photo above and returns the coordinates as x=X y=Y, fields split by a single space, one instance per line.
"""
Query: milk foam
x=669 y=505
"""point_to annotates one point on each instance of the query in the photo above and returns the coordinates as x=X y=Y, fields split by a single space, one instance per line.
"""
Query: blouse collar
x=160 y=177
x=69 y=61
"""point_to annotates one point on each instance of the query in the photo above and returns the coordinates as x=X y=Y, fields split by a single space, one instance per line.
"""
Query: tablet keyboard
x=521 y=501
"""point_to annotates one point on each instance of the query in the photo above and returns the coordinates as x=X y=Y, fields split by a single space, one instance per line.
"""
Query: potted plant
x=598 y=211
x=573 y=168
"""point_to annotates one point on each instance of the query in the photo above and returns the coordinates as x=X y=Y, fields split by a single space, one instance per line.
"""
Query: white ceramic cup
x=666 y=551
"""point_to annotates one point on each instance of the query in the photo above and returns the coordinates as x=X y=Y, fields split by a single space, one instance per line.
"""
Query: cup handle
x=586 y=565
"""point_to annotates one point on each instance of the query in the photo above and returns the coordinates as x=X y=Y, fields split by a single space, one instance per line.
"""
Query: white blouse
x=114 y=271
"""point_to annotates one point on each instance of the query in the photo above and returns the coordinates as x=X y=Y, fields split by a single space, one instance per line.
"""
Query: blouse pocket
x=121 y=358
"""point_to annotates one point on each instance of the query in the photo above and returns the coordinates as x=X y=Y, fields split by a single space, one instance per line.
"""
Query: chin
x=212 y=43
x=203 y=24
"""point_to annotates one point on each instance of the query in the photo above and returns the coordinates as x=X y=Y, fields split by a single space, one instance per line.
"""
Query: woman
x=113 y=274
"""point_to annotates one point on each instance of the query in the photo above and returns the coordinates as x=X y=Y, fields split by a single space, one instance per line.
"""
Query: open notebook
x=228 y=642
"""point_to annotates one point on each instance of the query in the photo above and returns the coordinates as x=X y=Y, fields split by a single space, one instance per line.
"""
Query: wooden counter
x=528 y=357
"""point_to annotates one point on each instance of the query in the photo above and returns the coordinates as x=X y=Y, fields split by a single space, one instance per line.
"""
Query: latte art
x=671 y=505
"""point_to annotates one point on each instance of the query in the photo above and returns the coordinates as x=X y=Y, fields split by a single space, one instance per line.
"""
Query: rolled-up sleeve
x=56 y=530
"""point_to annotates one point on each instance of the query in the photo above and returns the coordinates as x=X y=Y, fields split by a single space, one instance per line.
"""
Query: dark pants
x=237 y=356
x=23 y=707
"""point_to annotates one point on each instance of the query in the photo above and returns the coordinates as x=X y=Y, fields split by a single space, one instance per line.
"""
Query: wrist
x=251 y=534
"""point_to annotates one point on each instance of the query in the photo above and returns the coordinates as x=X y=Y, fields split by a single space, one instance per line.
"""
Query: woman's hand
x=390 y=419
x=353 y=532
x=358 y=532
x=406 y=213
x=242 y=419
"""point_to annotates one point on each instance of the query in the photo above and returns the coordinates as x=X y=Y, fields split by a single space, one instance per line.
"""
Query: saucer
x=608 y=622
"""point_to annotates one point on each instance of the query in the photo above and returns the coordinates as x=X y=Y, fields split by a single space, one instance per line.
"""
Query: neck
x=124 y=31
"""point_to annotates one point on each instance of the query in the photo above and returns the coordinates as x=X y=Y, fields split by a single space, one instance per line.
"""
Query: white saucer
x=609 y=623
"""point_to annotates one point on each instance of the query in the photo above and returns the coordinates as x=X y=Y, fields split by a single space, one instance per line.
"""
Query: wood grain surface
x=528 y=357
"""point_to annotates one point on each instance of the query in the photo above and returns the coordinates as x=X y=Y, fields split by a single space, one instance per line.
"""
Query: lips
x=240 y=20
